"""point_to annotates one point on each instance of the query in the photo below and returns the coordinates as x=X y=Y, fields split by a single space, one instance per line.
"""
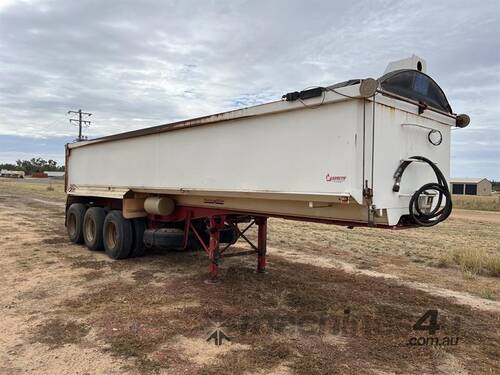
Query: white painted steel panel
x=286 y=152
x=279 y=147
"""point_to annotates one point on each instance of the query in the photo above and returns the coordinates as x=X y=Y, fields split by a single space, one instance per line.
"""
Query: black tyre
x=165 y=238
x=117 y=235
x=228 y=235
x=74 y=222
x=138 y=247
x=93 y=223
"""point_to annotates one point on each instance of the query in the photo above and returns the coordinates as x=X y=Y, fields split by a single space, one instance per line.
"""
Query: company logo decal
x=335 y=179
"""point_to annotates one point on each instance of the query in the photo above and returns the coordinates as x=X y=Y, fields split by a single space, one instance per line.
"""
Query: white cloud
x=135 y=64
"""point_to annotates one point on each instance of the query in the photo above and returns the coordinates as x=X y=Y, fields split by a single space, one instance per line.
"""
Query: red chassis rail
x=216 y=221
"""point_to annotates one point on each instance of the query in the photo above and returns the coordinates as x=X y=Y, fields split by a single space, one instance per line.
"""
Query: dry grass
x=445 y=261
x=487 y=294
x=283 y=318
x=52 y=189
x=57 y=332
x=298 y=318
x=418 y=254
x=477 y=262
x=469 y=202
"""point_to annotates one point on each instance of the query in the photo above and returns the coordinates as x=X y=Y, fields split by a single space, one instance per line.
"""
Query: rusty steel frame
x=216 y=221
x=218 y=217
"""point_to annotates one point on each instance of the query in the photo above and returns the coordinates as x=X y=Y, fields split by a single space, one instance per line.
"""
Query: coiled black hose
x=438 y=213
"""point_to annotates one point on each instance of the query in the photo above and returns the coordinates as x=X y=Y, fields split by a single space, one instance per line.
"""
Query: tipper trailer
x=363 y=152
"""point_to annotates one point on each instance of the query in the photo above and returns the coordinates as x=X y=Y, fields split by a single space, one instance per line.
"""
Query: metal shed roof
x=466 y=180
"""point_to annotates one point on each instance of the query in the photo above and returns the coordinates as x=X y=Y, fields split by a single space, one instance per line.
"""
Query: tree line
x=33 y=165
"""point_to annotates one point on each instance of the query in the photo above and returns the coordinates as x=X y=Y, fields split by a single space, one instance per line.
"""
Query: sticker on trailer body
x=335 y=179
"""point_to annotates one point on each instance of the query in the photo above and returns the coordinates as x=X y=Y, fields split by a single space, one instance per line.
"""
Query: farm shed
x=12 y=174
x=470 y=186
x=54 y=174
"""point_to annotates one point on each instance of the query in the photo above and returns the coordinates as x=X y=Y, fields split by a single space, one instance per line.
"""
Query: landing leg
x=214 y=226
x=261 y=244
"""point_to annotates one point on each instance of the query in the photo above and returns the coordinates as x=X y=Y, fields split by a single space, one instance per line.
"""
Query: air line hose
x=436 y=214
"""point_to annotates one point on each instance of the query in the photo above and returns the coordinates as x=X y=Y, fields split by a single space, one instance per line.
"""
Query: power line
x=81 y=123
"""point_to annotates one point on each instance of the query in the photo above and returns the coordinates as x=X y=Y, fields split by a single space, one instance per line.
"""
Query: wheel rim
x=71 y=224
x=90 y=230
x=111 y=235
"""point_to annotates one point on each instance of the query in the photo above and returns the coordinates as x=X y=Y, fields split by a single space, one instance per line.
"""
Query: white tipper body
x=306 y=160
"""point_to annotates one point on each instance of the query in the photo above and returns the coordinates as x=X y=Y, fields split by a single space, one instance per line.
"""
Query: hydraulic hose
x=436 y=214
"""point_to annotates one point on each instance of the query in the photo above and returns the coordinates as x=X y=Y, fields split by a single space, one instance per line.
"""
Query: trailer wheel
x=138 y=247
x=118 y=237
x=93 y=223
x=74 y=222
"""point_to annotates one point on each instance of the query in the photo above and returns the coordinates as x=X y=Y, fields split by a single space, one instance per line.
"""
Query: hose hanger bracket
x=420 y=207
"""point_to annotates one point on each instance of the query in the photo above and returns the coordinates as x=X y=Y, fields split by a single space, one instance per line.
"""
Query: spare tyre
x=164 y=238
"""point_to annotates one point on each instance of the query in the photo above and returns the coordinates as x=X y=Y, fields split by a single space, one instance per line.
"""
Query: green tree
x=36 y=165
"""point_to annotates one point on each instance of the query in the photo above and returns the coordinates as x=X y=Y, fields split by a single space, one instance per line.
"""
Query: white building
x=470 y=186
x=54 y=174
x=13 y=174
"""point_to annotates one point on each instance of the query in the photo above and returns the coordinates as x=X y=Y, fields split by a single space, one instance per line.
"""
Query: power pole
x=81 y=123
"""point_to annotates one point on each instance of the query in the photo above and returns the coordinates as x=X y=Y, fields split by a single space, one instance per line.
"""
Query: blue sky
x=16 y=147
x=137 y=64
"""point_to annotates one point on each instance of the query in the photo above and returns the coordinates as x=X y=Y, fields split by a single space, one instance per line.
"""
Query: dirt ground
x=334 y=300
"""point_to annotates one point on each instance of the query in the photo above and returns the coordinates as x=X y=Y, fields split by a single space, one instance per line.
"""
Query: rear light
x=462 y=120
